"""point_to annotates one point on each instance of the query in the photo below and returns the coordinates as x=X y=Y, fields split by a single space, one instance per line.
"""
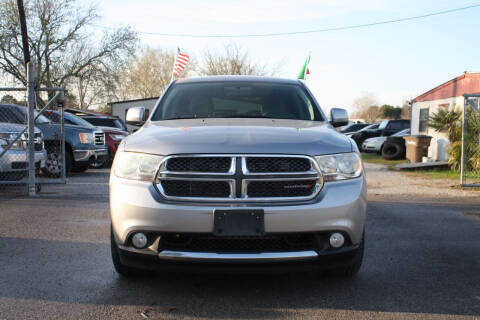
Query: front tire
x=352 y=269
x=121 y=269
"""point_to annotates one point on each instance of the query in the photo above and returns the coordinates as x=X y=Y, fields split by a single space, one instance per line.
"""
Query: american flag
x=180 y=62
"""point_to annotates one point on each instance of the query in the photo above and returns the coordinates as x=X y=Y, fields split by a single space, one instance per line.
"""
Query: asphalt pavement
x=422 y=261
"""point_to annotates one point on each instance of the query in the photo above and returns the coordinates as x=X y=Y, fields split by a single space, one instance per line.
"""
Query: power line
x=277 y=34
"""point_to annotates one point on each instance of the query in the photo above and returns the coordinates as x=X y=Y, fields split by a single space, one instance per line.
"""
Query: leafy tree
x=390 y=112
x=9 y=99
x=64 y=49
x=232 y=61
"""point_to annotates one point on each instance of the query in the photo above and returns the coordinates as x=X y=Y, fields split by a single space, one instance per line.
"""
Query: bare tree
x=366 y=107
x=63 y=46
x=232 y=61
x=149 y=74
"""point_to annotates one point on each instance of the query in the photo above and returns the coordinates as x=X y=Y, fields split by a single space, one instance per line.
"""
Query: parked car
x=354 y=127
x=83 y=144
x=237 y=172
x=98 y=151
x=376 y=144
x=385 y=128
x=369 y=127
x=114 y=128
x=14 y=159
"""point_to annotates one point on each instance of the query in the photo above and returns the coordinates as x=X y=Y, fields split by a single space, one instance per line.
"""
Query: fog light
x=139 y=240
x=337 y=240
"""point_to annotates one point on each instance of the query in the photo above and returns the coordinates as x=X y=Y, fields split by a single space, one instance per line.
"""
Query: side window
x=423 y=120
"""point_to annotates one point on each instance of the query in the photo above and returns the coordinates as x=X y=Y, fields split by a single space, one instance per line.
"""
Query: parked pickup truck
x=83 y=144
x=13 y=153
x=237 y=173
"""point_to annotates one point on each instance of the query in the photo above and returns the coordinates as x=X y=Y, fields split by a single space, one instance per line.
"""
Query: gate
x=470 y=159
x=32 y=148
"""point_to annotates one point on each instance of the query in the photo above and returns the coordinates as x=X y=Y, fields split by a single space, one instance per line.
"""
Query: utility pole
x=31 y=99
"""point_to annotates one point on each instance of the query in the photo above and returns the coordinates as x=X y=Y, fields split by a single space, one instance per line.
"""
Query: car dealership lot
x=421 y=261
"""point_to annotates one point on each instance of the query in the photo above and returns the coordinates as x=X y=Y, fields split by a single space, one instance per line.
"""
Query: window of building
x=423 y=121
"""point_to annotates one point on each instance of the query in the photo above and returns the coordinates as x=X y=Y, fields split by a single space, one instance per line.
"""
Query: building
x=120 y=108
x=447 y=95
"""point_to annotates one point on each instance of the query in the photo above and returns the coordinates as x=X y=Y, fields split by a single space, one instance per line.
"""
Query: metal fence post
x=31 y=129
x=464 y=127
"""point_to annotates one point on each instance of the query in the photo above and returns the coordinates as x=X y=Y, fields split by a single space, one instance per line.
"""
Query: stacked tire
x=394 y=148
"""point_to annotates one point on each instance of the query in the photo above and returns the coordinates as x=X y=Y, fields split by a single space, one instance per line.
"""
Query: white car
x=376 y=144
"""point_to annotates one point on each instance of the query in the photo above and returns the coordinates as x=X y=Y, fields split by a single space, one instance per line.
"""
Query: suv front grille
x=199 y=164
x=239 y=244
x=184 y=188
x=239 y=178
x=99 y=138
x=270 y=164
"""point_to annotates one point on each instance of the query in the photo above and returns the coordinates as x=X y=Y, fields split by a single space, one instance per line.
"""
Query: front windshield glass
x=76 y=120
x=40 y=118
x=237 y=100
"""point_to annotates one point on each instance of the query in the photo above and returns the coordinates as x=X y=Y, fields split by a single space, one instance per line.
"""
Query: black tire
x=352 y=269
x=121 y=269
x=53 y=163
x=392 y=151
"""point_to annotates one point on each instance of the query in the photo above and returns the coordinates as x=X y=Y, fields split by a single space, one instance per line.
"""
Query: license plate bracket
x=238 y=222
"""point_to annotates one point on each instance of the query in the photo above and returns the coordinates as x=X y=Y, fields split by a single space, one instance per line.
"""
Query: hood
x=237 y=136
x=113 y=130
x=13 y=127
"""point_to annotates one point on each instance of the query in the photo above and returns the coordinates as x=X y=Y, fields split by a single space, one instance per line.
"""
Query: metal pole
x=464 y=127
x=62 y=129
x=31 y=129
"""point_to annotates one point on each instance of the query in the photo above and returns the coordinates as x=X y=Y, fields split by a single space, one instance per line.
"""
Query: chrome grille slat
x=271 y=185
x=99 y=138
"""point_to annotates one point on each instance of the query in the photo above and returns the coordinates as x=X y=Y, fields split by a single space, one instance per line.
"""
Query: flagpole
x=174 y=60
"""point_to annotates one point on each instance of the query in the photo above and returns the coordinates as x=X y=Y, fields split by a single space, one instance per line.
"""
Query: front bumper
x=136 y=206
x=90 y=155
x=17 y=160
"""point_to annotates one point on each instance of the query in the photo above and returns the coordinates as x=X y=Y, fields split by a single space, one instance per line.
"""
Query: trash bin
x=417 y=147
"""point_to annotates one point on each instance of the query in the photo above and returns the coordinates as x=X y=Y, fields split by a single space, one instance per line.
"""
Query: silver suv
x=237 y=174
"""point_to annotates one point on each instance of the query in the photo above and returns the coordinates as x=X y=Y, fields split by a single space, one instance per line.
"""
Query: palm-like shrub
x=451 y=122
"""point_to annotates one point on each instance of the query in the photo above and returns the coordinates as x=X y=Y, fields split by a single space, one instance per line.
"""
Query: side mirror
x=136 y=116
x=339 y=117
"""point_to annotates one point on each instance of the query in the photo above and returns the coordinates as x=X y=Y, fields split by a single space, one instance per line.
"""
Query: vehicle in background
x=110 y=122
x=353 y=127
x=376 y=144
x=369 y=127
x=385 y=128
x=85 y=143
x=14 y=159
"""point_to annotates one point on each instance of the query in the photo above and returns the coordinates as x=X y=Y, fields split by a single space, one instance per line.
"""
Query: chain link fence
x=470 y=158
x=45 y=149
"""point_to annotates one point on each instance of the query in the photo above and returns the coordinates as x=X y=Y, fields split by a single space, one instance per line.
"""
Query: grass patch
x=441 y=174
x=377 y=159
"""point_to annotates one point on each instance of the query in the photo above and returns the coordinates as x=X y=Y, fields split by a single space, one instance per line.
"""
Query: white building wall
x=119 y=108
x=439 y=143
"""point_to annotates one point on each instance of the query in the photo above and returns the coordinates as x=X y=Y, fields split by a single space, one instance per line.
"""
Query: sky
x=394 y=62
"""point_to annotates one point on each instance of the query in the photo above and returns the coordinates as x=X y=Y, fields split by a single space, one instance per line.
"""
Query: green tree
x=390 y=112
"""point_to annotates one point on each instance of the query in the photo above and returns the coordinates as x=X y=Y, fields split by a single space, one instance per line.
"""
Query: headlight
x=340 y=166
x=6 y=139
x=116 y=137
x=136 y=166
x=86 y=138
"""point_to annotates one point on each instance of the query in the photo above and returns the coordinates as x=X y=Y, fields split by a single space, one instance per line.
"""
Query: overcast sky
x=394 y=61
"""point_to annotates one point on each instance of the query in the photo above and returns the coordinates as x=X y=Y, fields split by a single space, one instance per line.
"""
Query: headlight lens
x=86 y=138
x=117 y=137
x=136 y=166
x=6 y=139
x=340 y=166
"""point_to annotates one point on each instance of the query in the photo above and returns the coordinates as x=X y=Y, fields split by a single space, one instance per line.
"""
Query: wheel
x=352 y=269
x=121 y=269
x=53 y=163
x=392 y=151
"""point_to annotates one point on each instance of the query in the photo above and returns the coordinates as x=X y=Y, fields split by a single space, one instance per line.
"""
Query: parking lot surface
x=422 y=262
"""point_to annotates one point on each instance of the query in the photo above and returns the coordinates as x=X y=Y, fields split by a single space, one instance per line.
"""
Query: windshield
x=40 y=119
x=402 y=133
x=370 y=127
x=237 y=100
x=73 y=119
x=106 y=122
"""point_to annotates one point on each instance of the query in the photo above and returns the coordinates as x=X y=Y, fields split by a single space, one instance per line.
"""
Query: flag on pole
x=181 y=61
x=304 y=71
